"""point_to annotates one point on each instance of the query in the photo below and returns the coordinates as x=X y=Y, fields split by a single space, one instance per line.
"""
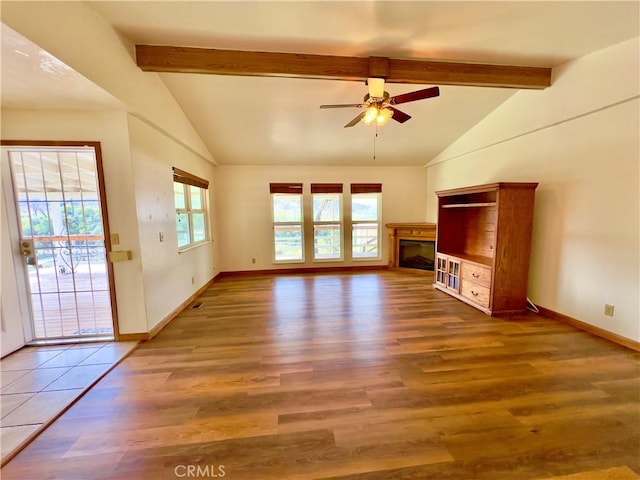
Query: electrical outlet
x=253 y=260
x=193 y=280
x=608 y=310
x=161 y=236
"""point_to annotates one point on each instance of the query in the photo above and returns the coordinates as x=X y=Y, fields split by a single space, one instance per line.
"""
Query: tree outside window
x=327 y=221
x=288 y=238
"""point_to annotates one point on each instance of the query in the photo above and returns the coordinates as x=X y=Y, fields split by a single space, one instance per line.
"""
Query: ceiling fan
x=379 y=105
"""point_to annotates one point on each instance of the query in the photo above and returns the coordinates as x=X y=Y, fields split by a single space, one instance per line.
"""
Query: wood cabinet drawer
x=476 y=293
x=476 y=274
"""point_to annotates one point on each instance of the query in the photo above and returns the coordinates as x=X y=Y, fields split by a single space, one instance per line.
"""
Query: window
x=190 y=199
x=327 y=221
x=286 y=200
x=365 y=220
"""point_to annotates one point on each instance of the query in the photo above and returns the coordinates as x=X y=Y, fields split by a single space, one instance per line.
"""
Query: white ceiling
x=33 y=78
x=250 y=120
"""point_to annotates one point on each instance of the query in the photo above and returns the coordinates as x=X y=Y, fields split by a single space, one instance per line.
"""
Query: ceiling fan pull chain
x=375 y=137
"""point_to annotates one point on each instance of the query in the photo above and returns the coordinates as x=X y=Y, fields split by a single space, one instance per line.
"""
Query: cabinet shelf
x=483 y=245
x=470 y=205
x=478 y=259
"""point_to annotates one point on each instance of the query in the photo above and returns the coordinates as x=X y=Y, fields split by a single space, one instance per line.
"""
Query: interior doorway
x=62 y=240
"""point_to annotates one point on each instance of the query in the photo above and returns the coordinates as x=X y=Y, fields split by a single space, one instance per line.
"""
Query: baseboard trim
x=166 y=320
x=597 y=331
x=276 y=271
x=124 y=337
x=129 y=337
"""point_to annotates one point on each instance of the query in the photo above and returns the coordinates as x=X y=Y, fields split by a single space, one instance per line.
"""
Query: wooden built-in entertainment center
x=483 y=245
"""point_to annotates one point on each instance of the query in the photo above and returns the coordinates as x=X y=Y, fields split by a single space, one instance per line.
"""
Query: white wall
x=245 y=228
x=167 y=274
x=137 y=161
x=139 y=148
x=110 y=129
x=93 y=48
x=580 y=140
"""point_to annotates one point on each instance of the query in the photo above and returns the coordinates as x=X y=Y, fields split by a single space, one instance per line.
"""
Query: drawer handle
x=475 y=294
x=475 y=275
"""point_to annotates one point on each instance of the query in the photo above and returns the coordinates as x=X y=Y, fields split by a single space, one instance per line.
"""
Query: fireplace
x=419 y=254
x=412 y=245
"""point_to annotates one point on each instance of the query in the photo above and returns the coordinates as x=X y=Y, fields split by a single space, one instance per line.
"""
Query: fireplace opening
x=419 y=254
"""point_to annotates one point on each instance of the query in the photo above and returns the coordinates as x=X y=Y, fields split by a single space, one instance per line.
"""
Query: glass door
x=441 y=270
x=453 y=274
x=60 y=214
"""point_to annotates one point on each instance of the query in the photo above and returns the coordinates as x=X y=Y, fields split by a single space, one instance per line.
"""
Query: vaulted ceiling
x=250 y=120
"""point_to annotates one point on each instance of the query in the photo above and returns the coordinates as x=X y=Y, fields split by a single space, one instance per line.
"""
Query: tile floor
x=38 y=383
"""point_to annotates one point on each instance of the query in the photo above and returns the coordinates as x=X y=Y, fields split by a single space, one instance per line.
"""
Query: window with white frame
x=365 y=220
x=190 y=200
x=327 y=221
x=288 y=237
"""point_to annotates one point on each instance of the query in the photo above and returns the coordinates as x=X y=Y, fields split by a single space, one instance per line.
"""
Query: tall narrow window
x=189 y=195
x=327 y=221
x=286 y=201
x=365 y=220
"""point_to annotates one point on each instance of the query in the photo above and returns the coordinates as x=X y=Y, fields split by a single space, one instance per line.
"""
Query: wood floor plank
x=368 y=376
x=616 y=473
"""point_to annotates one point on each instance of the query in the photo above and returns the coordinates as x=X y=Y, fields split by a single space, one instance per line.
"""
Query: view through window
x=287 y=222
x=365 y=220
x=327 y=215
x=327 y=221
x=190 y=199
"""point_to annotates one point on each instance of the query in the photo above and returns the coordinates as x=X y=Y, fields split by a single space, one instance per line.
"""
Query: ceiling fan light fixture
x=376 y=87
x=370 y=115
x=384 y=115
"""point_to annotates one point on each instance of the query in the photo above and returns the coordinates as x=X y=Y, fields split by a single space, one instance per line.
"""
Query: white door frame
x=14 y=308
x=22 y=300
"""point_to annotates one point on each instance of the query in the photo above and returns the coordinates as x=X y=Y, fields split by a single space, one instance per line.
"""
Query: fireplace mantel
x=407 y=231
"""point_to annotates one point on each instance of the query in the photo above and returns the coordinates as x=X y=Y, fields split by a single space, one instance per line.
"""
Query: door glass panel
x=59 y=207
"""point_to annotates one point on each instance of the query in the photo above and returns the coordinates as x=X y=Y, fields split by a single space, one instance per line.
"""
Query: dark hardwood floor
x=370 y=375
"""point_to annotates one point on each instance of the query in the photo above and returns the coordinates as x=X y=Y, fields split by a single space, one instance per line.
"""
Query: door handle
x=28 y=251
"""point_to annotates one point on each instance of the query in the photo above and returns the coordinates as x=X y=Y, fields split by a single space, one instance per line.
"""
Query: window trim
x=285 y=189
x=180 y=176
x=328 y=188
x=187 y=181
x=357 y=188
x=367 y=189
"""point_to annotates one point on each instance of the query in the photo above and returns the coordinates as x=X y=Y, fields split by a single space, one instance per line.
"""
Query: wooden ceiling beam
x=153 y=58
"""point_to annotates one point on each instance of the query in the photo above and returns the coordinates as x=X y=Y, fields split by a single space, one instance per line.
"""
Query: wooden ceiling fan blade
x=413 y=96
x=343 y=105
x=355 y=120
x=399 y=116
